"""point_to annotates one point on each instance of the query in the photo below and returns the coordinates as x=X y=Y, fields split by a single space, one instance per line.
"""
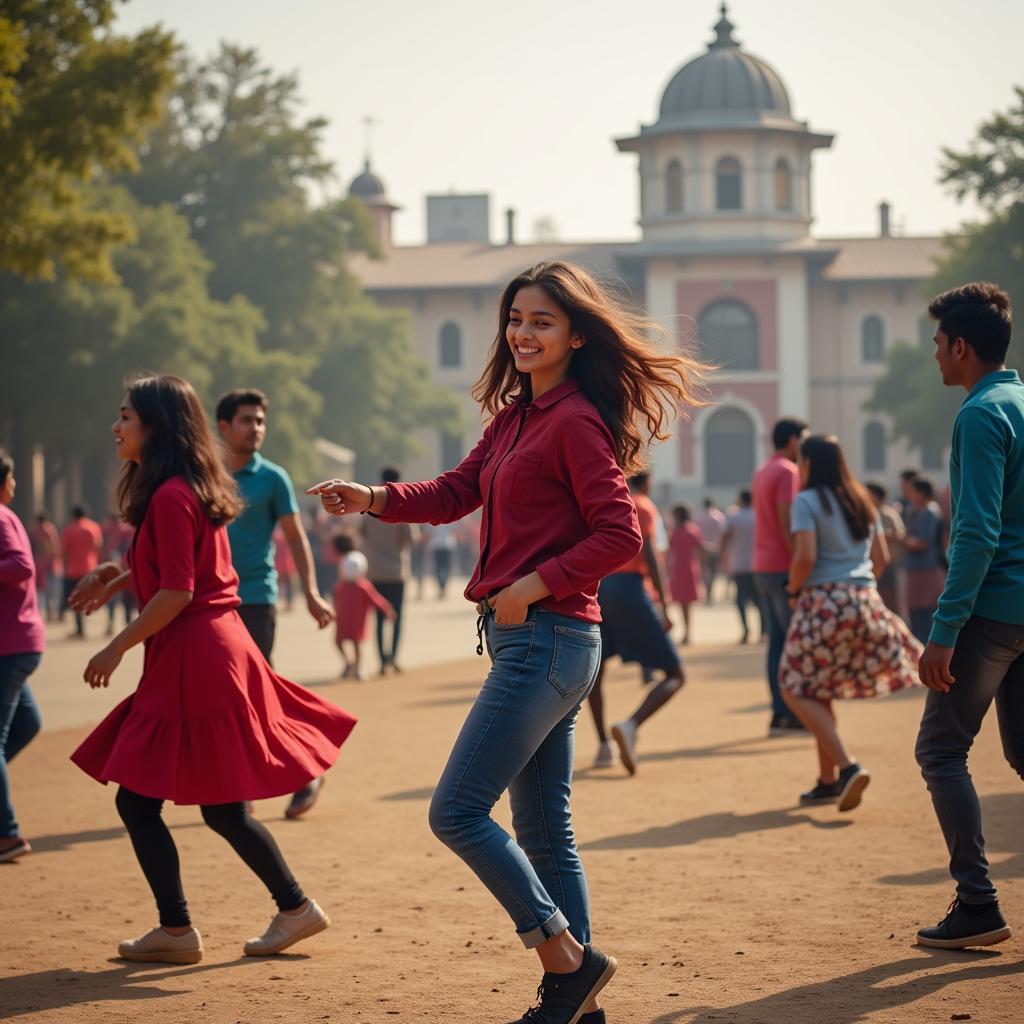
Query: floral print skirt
x=843 y=642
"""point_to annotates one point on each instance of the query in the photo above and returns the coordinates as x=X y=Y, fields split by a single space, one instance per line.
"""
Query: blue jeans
x=988 y=664
x=777 y=613
x=19 y=722
x=519 y=737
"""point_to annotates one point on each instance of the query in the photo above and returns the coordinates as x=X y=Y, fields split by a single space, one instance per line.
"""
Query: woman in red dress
x=685 y=548
x=210 y=723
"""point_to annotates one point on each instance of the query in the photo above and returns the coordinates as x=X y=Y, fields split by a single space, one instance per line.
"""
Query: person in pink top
x=81 y=540
x=685 y=547
x=776 y=484
x=354 y=597
x=21 y=647
x=711 y=523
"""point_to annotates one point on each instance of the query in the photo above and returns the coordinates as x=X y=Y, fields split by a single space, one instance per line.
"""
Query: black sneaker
x=853 y=780
x=823 y=793
x=961 y=927
x=305 y=798
x=563 y=996
x=596 y=1017
x=786 y=725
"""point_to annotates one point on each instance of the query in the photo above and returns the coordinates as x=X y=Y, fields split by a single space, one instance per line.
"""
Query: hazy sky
x=523 y=99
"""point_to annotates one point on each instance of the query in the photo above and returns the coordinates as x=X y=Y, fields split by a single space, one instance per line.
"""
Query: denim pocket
x=574 y=660
x=1005 y=634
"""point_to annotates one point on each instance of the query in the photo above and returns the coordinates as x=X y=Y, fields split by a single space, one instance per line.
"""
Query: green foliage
x=992 y=172
x=74 y=99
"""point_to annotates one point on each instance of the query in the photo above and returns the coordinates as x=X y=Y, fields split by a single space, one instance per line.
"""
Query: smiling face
x=129 y=433
x=245 y=432
x=541 y=338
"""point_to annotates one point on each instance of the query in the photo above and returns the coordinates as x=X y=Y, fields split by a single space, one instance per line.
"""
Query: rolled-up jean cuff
x=554 y=925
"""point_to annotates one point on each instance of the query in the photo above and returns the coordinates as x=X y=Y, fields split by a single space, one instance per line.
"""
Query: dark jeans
x=158 y=856
x=988 y=664
x=746 y=594
x=19 y=722
x=69 y=585
x=393 y=591
x=261 y=621
x=442 y=567
x=776 y=611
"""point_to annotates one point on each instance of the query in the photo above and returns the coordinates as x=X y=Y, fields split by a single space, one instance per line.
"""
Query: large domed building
x=726 y=261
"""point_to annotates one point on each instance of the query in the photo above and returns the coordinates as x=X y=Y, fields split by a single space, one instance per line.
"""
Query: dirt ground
x=721 y=898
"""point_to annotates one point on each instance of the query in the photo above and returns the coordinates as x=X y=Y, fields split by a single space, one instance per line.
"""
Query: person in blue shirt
x=975 y=652
x=269 y=502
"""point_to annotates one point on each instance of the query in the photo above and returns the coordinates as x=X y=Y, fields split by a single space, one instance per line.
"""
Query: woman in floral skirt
x=842 y=642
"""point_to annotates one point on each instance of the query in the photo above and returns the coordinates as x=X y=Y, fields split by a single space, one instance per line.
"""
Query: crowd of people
x=575 y=393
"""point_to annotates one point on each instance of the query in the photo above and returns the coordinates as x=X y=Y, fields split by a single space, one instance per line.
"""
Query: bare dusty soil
x=722 y=899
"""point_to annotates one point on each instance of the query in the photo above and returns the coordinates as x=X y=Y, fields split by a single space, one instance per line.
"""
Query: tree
x=992 y=171
x=74 y=99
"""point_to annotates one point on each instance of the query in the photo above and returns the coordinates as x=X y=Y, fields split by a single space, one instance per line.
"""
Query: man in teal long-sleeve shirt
x=975 y=653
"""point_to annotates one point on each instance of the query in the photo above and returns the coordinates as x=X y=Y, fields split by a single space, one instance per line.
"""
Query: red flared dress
x=210 y=721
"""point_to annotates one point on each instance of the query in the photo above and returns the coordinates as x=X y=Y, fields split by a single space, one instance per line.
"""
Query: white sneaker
x=624 y=734
x=159 y=947
x=605 y=756
x=287 y=929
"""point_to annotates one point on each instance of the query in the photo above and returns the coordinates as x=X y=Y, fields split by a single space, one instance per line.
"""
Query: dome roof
x=366 y=185
x=724 y=79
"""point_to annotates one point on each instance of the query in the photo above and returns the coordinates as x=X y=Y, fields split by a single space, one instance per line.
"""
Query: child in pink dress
x=684 y=570
x=354 y=597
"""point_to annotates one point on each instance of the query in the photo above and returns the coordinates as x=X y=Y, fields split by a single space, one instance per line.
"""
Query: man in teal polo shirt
x=269 y=501
x=975 y=652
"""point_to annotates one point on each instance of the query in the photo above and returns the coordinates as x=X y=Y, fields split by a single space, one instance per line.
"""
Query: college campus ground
x=722 y=899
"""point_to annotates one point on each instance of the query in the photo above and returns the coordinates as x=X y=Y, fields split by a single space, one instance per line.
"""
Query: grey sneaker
x=157 y=947
x=605 y=756
x=287 y=929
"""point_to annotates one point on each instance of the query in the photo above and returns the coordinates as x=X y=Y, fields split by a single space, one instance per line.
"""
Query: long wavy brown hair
x=635 y=387
x=828 y=471
x=179 y=443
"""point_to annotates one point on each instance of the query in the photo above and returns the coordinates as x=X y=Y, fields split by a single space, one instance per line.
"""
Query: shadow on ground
x=722 y=825
x=1003 y=819
x=863 y=995
x=64 y=987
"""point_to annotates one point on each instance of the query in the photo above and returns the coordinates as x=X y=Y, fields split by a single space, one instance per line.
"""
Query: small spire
x=723 y=31
x=368 y=125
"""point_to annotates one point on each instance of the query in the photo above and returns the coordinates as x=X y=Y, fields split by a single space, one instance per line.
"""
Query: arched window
x=874 y=447
x=674 y=187
x=728 y=335
x=451 y=346
x=872 y=340
x=728 y=184
x=729 y=448
x=782 y=182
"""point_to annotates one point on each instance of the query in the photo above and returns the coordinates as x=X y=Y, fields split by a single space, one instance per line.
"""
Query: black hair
x=390 y=475
x=79 y=511
x=229 y=402
x=877 y=490
x=786 y=428
x=979 y=313
x=343 y=543
x=746 y=497
x=828 y=471
x=683 y=512
x=910 y=474
x=639 y=479
x=923 y=486
x=6 y=466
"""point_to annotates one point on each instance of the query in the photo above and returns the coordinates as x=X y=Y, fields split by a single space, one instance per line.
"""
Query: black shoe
x=853 y=780
x=563 y=996
x=596 y=1017
x=786 y=725
x=305 y=798
x=823 y=793
x=979 y=926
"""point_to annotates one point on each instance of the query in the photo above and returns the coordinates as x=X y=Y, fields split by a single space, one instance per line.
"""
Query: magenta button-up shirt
x=21 y=628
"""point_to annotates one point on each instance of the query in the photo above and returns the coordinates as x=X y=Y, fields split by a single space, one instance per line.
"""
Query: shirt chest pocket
x=519 y=477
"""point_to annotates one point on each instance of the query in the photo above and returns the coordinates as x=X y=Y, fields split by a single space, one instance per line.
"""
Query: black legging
x=158 y=856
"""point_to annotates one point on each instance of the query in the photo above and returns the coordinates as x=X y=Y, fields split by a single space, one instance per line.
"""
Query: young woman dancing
x=575 y=393
x=842 y=642
x=210 y=723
